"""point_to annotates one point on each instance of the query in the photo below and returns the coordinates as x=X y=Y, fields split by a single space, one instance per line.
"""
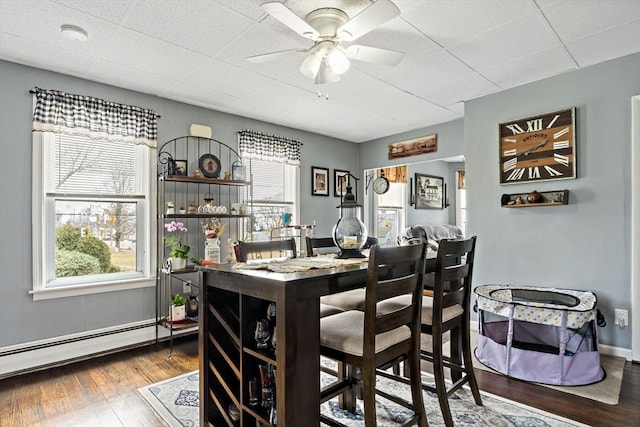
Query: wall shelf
x=549 y=198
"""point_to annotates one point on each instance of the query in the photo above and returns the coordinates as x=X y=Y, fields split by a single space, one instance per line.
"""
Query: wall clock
x=381 y=184
x=538 y=148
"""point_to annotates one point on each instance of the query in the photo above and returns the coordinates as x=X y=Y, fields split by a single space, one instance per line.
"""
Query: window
x=274 y=170
x=390 y=214
x=275 y=191
x=91 y=211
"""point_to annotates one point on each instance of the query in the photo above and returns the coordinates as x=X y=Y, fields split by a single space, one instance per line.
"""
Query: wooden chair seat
x=367 y=341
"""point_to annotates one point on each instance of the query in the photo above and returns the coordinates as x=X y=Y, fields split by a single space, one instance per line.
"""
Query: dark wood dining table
x=297 y=297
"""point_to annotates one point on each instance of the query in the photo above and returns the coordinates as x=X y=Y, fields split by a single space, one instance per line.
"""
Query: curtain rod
x=33 y=92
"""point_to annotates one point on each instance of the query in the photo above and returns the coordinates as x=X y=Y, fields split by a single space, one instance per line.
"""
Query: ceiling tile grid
x=195 y=52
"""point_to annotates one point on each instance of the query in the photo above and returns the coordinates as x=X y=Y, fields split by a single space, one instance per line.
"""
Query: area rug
x=606 y=391
x=176 y=401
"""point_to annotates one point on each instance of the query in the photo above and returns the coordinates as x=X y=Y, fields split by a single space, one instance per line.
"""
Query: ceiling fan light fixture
x=326 y=75
x=311 y=64
x=338 y=61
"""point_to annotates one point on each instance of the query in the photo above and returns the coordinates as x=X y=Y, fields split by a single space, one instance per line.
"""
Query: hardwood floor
x=103 y=392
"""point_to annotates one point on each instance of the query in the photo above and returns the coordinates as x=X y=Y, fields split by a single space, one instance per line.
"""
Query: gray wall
x=585 y=245
x=24 y=320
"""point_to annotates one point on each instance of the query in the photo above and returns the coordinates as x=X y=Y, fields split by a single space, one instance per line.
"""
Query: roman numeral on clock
x=510 y=164
x=534 y=172
x=510 y=152
x=534 y=125
x=563 y=160
x=553 y=121
x=551 y=171
x=560 y=133
x=515 y=128
x=516 y=175
x=560 y=144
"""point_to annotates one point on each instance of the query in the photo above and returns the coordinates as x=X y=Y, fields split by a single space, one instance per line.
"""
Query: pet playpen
x=543 y=335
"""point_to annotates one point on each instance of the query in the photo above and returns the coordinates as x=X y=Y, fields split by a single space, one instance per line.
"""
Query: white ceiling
x=194 y=51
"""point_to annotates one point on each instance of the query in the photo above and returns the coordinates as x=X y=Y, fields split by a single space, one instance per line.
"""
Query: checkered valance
x=269 y=147
x=66 y=113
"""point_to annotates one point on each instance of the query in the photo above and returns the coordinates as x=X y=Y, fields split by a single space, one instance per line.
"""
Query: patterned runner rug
x=176 y=401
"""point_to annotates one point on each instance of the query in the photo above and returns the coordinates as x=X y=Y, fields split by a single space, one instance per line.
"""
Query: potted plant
x=178 y=311
x=178 y=252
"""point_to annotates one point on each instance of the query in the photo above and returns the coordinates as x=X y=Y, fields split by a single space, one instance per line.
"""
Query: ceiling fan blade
x=369 y=19
x=290 y=19
x=265 y=57
x=374 y=54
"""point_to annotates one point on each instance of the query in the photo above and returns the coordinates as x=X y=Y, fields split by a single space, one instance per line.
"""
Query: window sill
x=94 y=288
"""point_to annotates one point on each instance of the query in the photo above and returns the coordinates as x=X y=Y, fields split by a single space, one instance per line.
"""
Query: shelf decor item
x=238 y=171
x=176 y=167
x=209 y=166
x=178 y=310
x=538 y=148
x=178 y=252
x=429 y=192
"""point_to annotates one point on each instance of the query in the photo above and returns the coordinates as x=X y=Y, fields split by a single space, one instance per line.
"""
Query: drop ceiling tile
x=471 y=86
x=249 y=8
x=530 y=68
x=573 y=21
x=45 y=19
x=144 y=53
x=28 y=52
x=226 y=78
x=424 y=75
x=112 y=10
x=204 y=97
x=619 y=41
x=129 y=78
x=449 y=23
x=517 y=38
x=203 y=26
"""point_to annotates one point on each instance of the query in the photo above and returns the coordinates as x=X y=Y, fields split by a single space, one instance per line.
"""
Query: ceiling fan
x=327 y=59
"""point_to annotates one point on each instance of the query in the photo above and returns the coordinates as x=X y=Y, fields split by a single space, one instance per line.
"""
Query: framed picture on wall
x=429 y=192
x=340 y=178
x=319 y=181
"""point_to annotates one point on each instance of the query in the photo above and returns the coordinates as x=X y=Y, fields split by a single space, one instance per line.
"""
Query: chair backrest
x=453 y=275
x=267 y=249
x=320 y=243
x=393 y=272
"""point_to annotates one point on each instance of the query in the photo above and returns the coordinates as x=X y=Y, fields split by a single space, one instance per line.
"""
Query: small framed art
x=429 y=192
x=177 y=167
x=340 y=179
x=319 y=181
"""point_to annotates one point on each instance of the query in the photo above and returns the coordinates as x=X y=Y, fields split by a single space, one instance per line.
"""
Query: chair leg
x=347 y=400
x=438 y=374
x=456 y=348
x=416 y=385
x=468 y=363
x=369 y=393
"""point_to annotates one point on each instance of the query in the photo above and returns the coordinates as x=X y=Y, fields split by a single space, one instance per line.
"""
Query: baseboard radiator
x=42 y=354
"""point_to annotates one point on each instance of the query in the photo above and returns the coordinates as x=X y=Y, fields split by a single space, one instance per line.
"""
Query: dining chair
x=275 y=249
x=370 y=341
x=267 y=249
x=448 y=310
x=347 y=300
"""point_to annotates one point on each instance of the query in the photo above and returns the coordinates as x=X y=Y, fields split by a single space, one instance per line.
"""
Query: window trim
x=42 y=233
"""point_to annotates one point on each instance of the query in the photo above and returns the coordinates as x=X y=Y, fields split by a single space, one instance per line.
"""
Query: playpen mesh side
x=538 y=337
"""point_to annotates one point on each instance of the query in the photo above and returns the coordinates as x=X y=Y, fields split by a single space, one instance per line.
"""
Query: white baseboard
x=35 y=354
x=606 y=350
